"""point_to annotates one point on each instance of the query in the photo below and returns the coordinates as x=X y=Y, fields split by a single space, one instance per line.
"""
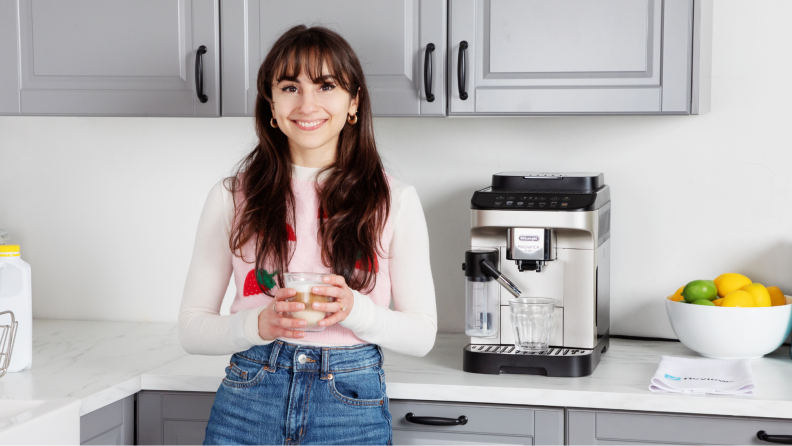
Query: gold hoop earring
x=273 y=123
x=352 y=120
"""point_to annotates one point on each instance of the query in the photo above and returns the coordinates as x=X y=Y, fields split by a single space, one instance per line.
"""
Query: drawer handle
x=436 y=421
x=428 y=72
x=199 y=74
x=783 y=439
x=462 y=69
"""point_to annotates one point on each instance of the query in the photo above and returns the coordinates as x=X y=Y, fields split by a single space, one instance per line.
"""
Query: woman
x=311 y=197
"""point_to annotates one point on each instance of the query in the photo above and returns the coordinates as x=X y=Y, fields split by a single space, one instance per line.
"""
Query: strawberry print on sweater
x=291 y=234
x=359 y=264
x=255 y=278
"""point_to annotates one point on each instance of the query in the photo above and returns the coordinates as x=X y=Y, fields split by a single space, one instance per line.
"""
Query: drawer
x=614 y=427
x=545 y=424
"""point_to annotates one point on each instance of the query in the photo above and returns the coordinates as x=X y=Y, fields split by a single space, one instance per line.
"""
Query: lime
x=700 y=289
x=704 y=302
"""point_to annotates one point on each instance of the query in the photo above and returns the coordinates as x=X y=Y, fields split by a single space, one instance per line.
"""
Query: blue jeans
x=291 y=394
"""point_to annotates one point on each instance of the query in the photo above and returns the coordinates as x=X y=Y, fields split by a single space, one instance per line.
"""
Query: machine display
x=549 y=234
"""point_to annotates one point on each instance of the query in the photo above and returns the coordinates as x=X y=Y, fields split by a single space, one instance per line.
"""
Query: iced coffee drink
x=303 y=283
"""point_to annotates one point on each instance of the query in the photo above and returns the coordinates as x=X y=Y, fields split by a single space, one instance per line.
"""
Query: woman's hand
x=272 y=324
x=343 y=300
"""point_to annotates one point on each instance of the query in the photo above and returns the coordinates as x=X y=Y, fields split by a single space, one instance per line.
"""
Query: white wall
x=106 y=208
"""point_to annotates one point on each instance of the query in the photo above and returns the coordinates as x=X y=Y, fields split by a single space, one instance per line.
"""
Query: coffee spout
x=493 y=272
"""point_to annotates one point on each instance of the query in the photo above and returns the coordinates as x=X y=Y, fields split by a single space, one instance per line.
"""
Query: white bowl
x=729 y=332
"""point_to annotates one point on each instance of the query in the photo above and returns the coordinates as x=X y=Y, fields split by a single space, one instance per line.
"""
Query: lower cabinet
x=112 y=424
x=616 y=427
x=155 y=417
x=173 y=417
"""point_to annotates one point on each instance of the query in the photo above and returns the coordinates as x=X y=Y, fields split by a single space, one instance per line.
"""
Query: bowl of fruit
x=730 y=317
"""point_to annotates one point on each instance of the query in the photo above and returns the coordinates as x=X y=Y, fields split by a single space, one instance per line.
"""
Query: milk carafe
x=482 y=301
x=15 y=295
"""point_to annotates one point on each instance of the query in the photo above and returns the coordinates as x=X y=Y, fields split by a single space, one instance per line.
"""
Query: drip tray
x=567 y=362
x=511 y=350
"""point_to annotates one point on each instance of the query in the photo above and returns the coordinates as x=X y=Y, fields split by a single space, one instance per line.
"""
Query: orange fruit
x=760 y=294
x=738 y=298
x=776 y=296
x=675 y=298
x=729 y=282
x=718 y=301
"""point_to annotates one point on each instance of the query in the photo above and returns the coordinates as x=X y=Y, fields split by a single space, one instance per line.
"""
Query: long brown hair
x=354 y=197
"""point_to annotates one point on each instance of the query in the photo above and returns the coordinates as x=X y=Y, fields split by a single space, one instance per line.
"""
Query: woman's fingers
x=332 y=319
x=335 y=280
x=287 y=322
x=288 y=307
x=286 y=333
x=330 y=307
x=329 y=291
x=284 y=293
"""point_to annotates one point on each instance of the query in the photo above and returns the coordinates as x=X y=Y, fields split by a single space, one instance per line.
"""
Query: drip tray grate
x=512 y=350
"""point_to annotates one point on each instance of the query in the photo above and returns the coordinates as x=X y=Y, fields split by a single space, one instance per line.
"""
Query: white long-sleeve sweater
x=409 y=328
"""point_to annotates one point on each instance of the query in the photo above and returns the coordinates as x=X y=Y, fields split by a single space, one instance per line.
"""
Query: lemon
x=718 y=301
x=760 y=294
x=738 y=298
x=706 y=302
x=679 y=292
x=675 y=298
x=776 y=296
x=729 y=282
x=699 y=289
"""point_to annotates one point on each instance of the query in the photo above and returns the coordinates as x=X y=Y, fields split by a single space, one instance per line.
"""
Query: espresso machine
x=547 y=235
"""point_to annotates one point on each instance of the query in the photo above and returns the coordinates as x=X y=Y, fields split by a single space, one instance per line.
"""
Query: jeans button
x=302 y=359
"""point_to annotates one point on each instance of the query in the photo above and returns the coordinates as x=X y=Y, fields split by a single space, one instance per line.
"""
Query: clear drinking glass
x=532 y=322
x=303 y=283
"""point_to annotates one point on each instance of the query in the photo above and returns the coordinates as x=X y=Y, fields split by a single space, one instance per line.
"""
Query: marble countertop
x=102 y=362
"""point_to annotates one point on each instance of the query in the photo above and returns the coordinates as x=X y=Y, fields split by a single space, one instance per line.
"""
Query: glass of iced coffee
x=303 y=283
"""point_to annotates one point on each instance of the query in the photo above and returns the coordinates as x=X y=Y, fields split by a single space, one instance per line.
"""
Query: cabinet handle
x=199 y=74
x=462 y=69
x=428 y=72
x=783 y=439
x=436 y=421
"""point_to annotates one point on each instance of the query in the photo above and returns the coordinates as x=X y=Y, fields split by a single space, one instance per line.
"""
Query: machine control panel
x=534 y=201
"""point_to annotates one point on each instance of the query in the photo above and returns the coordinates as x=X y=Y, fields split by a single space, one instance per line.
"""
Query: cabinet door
x=570 y=56
x=617 y=427
x=486 y=423
x=113 y=58
x=112 y=424
x=173 y=417
x=389 y=36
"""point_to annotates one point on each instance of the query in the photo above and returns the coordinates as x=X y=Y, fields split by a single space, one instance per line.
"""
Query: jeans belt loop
x=326 y=364
x=272 y=365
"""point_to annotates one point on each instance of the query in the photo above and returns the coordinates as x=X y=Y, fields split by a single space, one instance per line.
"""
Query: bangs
x=310 y=55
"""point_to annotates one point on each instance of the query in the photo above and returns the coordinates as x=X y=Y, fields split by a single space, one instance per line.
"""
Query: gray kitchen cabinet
x=112 y=424
x=617 y=427
x=486 y=423
x=524 y=57
x=390 y=37
x=109 y=58
x=173 y=417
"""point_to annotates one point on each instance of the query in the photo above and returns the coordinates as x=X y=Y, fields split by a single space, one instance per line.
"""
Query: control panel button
x=509 y=203
x=520 y=203
x=541 y=205
x=565 y=199
x=542 y=198
x=499 y=197
x=530 y=205
x=554 y=199
x=564 y=205
x=498 y=203
x=553 y=204
x=510 y=198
